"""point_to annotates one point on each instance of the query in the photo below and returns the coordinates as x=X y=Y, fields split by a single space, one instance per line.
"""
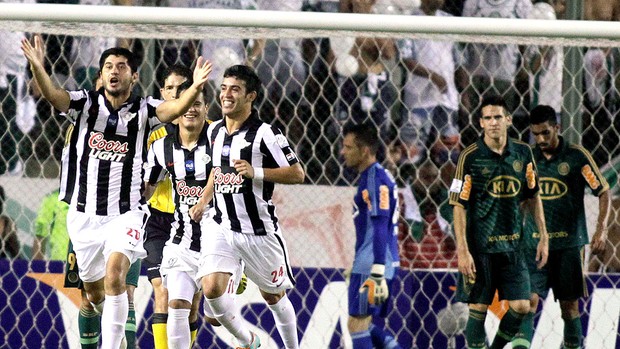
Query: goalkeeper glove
x=376 y=286
x=243 y=283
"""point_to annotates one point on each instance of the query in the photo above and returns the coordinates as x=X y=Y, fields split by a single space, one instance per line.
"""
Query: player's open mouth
x=227 y=103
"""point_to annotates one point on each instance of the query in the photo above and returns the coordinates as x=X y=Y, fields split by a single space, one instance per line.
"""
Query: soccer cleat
x=243 y=283
x=255 y=342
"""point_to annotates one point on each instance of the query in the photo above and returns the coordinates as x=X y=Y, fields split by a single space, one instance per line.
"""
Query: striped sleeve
x=460 y=189
x=152 y=104
x=591 y=173
x=278 y=147
x=154 y=171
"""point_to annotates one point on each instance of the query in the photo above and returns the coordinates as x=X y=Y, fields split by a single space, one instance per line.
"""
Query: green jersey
x=51 y=225
x=563 y=179
x=491 y=188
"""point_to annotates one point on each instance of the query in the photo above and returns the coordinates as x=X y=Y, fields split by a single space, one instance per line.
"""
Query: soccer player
x=494 y=178
x=103 y=179
x=249 y=157
x=565 y=170
x=375 y=214
x=161 y=206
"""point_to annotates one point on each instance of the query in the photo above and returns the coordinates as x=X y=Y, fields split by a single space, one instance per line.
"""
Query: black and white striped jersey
x=189 y=171
x=241 y=204
x=102 y=165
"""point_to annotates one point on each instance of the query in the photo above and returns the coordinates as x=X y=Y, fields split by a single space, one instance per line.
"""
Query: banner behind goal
x=314 y=82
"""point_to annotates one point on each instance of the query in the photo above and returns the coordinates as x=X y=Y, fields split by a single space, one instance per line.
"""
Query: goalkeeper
x=376 y=249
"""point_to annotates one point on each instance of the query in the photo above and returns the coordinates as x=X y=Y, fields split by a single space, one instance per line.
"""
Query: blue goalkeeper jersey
x=375 y=214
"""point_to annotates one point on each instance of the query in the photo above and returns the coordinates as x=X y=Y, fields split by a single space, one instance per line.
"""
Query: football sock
x=160 y=333
x=193 y=330
x=573 y=335
x=361 y=340
x=89 y=325
x=178 y=328
x=523 y=338
x=380 y=338
x=507 y=328
x=225 y=311
x=286 y=322
x=474 y=330
x=130 y=327
x=113 y=320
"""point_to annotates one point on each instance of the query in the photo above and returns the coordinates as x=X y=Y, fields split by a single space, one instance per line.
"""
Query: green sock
x=89 y=325
x=572 y=333
x=523 y=338
x=508 y=327
x=474 y=331
x=130 y=327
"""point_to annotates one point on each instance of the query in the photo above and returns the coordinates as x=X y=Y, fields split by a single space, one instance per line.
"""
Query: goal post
x=306 y=87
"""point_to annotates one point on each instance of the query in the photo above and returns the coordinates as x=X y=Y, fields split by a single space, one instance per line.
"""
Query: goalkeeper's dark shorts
x=157 y=233
x=504 y=272
x=358 y=302
x=72 y=279
x=563 y=273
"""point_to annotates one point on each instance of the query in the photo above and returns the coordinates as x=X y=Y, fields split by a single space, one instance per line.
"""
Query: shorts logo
x=563 y=168
x=172 y=261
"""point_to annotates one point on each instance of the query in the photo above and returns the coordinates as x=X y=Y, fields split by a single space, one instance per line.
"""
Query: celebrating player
x=494 y=177
x=103 y=165
x=249 y=157
x=375 y=216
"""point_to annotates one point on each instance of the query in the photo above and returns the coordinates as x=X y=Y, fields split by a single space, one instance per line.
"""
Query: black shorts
x=157 y=233
x=563 y=273
x=504 y=272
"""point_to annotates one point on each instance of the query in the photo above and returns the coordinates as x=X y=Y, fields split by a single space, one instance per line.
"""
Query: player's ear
x=134 y=77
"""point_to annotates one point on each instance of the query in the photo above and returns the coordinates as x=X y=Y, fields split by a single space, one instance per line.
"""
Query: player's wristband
x=259 y=174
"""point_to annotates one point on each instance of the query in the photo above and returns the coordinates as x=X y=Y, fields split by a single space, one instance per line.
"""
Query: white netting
x=314 y=85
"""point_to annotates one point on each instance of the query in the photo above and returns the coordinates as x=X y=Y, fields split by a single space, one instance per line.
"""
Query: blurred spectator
x=12 y=99
x=601 y=10
x=430 y=97
x=283 y=72
x=601 y=102
x=9 y=245
x=366 y=91
x=51 y=236
x=492 y=67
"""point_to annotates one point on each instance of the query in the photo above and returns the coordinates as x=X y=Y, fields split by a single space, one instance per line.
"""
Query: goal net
x=419 y=79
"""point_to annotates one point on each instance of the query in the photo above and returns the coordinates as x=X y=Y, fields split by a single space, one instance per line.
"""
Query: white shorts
x=94 y=238
x=265 y=257
x=180 y=260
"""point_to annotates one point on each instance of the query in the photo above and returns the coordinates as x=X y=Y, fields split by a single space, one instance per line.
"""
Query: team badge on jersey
x=563 y=168
x=517 y=165
x=128 y=116
x=206 y=159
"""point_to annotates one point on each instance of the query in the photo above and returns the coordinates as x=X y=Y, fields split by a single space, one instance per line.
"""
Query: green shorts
x=504 y=272
x=72 y=279
x=563 y=273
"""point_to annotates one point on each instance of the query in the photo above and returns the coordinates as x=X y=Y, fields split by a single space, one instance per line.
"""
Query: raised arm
x=171 y=109
x=36 y=58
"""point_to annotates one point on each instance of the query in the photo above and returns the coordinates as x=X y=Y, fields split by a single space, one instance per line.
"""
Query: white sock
x=178 y=328
x=113 y=320
x=225 y=311
x=286 y=322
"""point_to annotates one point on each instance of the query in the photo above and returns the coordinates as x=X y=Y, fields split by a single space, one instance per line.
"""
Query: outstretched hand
x=35 y=51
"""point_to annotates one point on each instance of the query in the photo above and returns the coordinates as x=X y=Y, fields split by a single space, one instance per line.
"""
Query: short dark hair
x=120 y=51
x=495 y=100
x=206 y=91
x=247 y=74
x=541 y=114
x=365 y=134
x=180 y=70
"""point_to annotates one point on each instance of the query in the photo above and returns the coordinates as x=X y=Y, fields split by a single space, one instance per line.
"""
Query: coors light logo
x=227 y=182
x=189 y=194
x=102 y=149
